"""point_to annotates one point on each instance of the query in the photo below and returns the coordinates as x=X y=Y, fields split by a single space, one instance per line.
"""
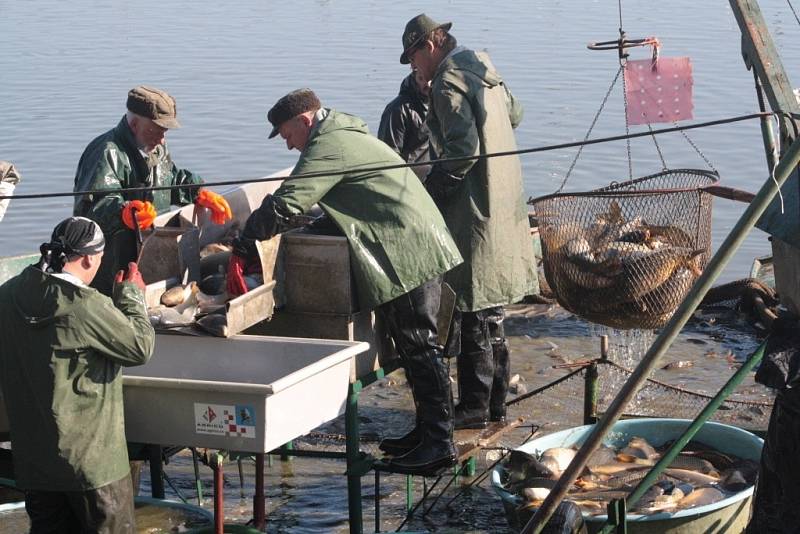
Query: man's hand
x=133 y=275
x=145 y=214
x=220 y=210
x=244 y=248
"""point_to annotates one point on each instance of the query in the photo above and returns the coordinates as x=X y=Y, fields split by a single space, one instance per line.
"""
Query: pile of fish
x=698 y=476
x=618 y=272
x=200 y=304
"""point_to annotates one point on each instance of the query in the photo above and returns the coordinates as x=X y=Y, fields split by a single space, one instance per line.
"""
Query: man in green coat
x=471 y=113
x=399 y=247
x=133 y=154
x=62 y=346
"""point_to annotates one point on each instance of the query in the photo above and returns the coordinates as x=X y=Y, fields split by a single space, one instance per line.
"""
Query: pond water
x=67 y=67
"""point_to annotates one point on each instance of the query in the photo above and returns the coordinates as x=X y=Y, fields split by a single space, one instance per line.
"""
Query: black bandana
x=75 y=236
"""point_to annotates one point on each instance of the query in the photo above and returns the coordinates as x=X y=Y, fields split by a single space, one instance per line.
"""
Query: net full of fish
x=698 y=476
x=621 y=272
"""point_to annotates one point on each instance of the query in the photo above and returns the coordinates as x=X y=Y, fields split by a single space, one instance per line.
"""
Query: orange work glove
x=220 y=210
x=235 y=283
x=133 y=275
x=145 y=214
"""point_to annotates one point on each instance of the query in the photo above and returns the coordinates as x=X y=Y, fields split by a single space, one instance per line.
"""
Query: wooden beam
x=780 y=219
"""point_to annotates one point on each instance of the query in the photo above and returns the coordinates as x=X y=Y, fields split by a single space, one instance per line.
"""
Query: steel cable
x=367 y=168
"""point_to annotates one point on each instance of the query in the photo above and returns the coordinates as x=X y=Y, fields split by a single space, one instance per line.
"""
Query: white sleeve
x=5 y=189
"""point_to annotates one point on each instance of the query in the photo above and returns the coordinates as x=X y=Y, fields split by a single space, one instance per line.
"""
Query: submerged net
x=559 y=404
x=625 y=256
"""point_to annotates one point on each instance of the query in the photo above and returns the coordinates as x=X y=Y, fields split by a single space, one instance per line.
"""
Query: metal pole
x=726 y=251
x=590 y=395
x=766 y=128
x=377 y=501
x=259 y=499
x=156 y=471
x=197 y=482
x=693 y=428
x=353 y=452
x=219 y=497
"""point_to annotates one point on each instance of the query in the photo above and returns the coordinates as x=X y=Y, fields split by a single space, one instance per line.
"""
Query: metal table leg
x=259 y=499
x=156 y=471
x=353 y=451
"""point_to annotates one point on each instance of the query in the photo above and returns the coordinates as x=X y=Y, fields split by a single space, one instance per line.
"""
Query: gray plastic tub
x=243 y=393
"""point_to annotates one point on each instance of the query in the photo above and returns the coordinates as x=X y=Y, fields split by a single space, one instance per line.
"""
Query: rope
x=589 y=132
x=658 y=148
x=793 y=11
x=627 y=124
x=684 y=391
x=367 y=168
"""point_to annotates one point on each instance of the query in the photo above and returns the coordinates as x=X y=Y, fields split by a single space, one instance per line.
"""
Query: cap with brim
x=416 y=30
x=290 y=106
x=154 y=104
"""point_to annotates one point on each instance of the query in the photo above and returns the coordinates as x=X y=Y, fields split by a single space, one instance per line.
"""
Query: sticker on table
x=231 y=420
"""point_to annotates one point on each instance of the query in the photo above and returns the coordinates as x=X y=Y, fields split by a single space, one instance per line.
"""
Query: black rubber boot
x=431 y=386
x=469 y=420
x=426 y=459
x=475 y=372
x=402 y=444
x=502 y=365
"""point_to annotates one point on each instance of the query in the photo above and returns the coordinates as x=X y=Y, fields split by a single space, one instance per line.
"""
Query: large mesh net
x=654 y=399
x=626 y=255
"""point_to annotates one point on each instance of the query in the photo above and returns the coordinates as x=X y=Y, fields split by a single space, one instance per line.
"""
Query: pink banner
x=659 y=91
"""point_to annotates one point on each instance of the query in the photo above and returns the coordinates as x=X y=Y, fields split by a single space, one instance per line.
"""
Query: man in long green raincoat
x=399 y=247
x=133 y=154
x=62 y=346
x=472 y=112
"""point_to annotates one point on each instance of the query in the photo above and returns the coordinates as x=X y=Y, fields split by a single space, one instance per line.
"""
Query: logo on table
x=209 y=415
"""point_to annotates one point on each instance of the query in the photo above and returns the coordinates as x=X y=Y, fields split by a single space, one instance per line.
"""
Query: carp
x=640 y=448
x=643 y=275
x=701 y=497
x=215 y=324
x=557 y=459
x=175 y=295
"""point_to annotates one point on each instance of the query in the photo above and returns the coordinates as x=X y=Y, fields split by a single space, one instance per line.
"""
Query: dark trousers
x=411 y=320
x=478 y=341
x=105 y=510
x=776 y=503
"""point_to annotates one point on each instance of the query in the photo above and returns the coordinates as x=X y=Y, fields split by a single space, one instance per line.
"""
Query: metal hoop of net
x=626 y=255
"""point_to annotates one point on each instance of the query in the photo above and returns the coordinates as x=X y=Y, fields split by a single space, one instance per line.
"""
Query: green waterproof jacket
x=111 y=162
x=61 y=348
x=398 y=239
x=471 y=113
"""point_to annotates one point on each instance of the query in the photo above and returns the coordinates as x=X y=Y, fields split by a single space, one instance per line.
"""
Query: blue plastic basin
x=722 y=516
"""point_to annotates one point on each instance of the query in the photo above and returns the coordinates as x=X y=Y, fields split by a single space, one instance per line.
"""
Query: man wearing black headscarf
x=63 y=346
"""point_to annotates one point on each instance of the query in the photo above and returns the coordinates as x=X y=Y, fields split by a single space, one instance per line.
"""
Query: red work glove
x=145 y=214
x=133 y=275
x=220 y=210
x=235 y=284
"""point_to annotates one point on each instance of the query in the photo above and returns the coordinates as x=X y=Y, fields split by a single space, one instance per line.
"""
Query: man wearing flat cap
x=472 y=112
x=134 y=154
x=399 y=248
x=63 y=347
